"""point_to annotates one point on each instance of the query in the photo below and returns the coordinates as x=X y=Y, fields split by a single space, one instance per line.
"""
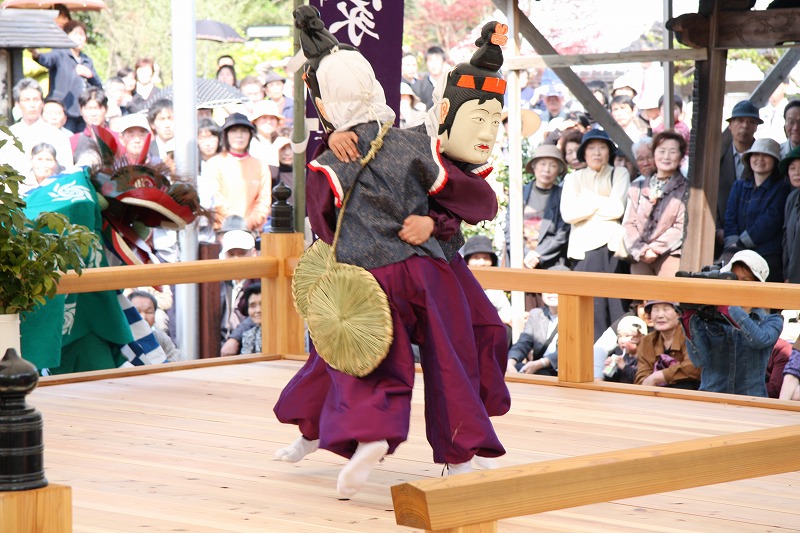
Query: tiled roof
x=31 y=28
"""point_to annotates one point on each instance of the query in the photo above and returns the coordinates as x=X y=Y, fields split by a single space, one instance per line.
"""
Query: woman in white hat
x=755 y=210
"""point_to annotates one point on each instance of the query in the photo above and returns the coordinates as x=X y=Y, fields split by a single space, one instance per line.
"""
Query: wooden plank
x=440 y=504
x=718 y=292
x=573 y=60
x=45 y=510
x=121 y=277
x=704 y=153
x=282 y=328
x=773 y=28
x=575 y=338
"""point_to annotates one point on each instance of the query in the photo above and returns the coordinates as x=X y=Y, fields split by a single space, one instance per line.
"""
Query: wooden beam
x=557 y=61
x=45 y=510
x=772 y=28
x=490 y=495
x=572 y=81
x=121 y=277
x=717 y=292
x=777 y=74
x=282 y=329
x=704 y=162
x=576 y=337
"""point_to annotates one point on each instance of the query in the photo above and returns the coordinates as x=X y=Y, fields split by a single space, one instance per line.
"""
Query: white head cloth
x=350 y=92
x=432 y=119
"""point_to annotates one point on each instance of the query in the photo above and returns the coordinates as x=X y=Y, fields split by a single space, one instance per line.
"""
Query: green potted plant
x=34 y=254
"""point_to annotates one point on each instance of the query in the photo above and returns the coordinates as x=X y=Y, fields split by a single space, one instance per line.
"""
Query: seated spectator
x=622 y=367
x=790 y=166
x=731 y=345
x=43 y=163
x=536 y=350
x=663 y=359
x=790 y=388
x=778 y=359
x=608 y=344
x=235 y=244
x=478 y=251
x=756 y=207
x=656 y=212
x=147 y=305
x=251 y=340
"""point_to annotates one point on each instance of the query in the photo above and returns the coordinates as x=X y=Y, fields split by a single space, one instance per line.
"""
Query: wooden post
x=282 y=328
x=45 y=510
x=575 y=338
x=210 y=307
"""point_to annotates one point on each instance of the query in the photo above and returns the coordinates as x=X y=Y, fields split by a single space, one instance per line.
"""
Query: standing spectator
x=54 y=114
x=134 y=133
x=162 y=124
x=94 y=106
x=275 y=86
x=226 y=60
x=544 y=232
x=266 y=119
x=732 y=345
x=593 y=201
x=241 y=183
x=756 y=207
x=623 y=111
x=435 y=63
x=128 y=76
x=253 y=89
x=207 y=140
x=742 y=123
x=656 y=212
x=677 y=110
x=43 y=163
x=63 y=16
x=791 y=126
x=570 y=143
x=663 y=359
x=772 y=114
x=283 y=173
x=31 y=129
x=553 y=98
x=643 y=151
x=115 y=91
x=790 y=165
x=70 y=72
x=227 y=75
x=409 y=70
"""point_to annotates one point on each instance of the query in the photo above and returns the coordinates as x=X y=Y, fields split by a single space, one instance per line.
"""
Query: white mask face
x=474 y=131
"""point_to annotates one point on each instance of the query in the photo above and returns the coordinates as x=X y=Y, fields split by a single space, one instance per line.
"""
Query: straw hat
x=312 y=265
x=349 y=320
x=531 y=121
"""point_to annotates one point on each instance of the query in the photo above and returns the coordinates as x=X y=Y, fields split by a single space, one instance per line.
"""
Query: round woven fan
x=349 y=319
x=313 y=264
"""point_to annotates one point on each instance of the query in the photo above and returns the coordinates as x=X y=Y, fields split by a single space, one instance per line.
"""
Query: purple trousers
x=429 y=309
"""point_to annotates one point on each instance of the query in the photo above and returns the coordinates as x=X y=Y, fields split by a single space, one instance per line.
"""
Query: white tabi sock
x=355 y=473
x=459 y=468
x=485 y=463
x=297 y=450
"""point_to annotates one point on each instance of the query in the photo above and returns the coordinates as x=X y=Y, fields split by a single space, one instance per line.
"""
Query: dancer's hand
x=416 y=229
x=344 y=145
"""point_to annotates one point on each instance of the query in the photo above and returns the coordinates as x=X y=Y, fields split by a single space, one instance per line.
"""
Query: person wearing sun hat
x=544 y=232
x=732 y=346
x=267 y=119
x=756 y=207
x=593 y=202
x=239 y=183
x=790 y=167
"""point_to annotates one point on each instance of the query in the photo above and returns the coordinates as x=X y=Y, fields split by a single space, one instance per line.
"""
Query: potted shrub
x=33 y=253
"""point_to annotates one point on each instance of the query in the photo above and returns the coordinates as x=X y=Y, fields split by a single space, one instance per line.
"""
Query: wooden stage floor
x=192 y=451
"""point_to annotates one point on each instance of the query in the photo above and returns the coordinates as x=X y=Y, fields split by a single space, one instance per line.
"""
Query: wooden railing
x=441 y=504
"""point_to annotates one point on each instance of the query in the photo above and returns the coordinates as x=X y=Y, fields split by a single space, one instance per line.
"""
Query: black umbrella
x=210 y=94
x=213 y=30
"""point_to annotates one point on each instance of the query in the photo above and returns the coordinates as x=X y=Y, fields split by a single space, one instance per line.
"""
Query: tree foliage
x=130 y=29
x=442 y=22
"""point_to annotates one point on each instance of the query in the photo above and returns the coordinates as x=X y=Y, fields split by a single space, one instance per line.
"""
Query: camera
x=705 y=311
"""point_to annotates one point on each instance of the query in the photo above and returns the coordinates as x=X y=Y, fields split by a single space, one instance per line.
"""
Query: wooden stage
x=191 y=451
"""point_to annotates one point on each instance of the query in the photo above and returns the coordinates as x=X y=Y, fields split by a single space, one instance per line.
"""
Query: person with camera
x=663 y=359
x=732 y=345
x=755 y=213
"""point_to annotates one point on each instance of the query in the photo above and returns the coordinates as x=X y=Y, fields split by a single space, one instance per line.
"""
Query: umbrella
x=210 y=94
x=74 y=5
x=212 y=30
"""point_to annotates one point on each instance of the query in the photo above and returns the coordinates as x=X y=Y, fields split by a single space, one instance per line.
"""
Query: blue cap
x=745 y=109
x=595 y=134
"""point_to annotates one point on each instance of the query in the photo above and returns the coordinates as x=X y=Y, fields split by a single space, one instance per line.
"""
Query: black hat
x=745 y=109
x=477 y=245
x=238 y=119
x=273 y=76
x=595 y=135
